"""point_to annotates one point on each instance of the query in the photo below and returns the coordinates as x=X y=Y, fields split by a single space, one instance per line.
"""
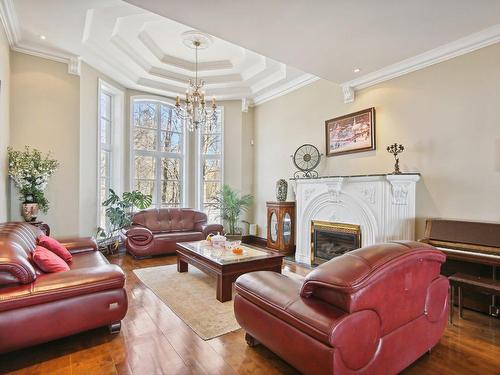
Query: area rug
x=190 y=293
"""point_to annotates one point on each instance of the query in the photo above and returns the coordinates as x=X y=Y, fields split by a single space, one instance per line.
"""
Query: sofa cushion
x=89 y=259
x=48 y=261
x=169 y=219
x=55 y=246
x=56 y=286
x=179 y=236
x=280 y=296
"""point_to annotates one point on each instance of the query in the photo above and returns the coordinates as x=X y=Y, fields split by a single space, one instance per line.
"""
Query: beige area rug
x=190 y=293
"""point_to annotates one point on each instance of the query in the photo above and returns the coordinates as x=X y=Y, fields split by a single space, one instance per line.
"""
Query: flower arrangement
x=30 y=171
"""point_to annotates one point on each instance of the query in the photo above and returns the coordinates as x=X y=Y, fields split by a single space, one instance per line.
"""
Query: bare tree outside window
x=158 y=153
x=211 y=160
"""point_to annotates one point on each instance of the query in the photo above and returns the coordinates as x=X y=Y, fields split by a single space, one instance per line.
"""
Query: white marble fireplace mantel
x=383 y=205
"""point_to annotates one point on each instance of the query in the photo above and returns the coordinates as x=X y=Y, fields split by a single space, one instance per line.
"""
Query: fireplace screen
x=329 y=240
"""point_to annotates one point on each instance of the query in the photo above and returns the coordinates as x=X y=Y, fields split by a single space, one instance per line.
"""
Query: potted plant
x=30 y=170
x=119 y=213
x=231 y=205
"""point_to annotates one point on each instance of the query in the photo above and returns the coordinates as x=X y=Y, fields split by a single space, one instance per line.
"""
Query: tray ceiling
x=142 y=50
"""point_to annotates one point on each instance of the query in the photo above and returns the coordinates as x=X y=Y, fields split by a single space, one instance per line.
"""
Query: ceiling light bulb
x=43 y=37
x=357 y=70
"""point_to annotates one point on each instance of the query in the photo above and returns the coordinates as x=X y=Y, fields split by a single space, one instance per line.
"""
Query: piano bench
x=478 y=284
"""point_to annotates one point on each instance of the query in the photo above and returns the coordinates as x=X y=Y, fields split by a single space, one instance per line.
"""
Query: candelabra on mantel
x=395 y=149
x=194 y=112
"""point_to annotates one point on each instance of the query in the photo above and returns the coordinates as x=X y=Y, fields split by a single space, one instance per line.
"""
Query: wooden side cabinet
x=281 y=226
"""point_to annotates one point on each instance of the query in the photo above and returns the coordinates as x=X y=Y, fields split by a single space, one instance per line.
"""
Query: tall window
x=105 y=151
x=110 y=134
x=211 y=162
x=157 y=152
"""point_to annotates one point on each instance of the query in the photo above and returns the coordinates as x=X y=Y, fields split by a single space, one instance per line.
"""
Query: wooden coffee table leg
x=224 y=288
x=181 y=265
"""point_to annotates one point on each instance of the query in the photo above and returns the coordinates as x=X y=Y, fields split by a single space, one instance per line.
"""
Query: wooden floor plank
x=154 y=340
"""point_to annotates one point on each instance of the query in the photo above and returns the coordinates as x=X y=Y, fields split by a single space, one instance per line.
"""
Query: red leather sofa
x=156 y=231
x=372 y=311
x=36 y=307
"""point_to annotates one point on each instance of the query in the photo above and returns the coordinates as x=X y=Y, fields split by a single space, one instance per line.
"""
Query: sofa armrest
x=79 y=244
x=207 y=229
x=140 y=236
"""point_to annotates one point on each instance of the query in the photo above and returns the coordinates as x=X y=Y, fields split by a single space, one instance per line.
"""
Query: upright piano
x=472 y=248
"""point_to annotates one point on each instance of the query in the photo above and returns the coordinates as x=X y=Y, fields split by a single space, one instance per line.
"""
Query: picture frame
x=351 y=133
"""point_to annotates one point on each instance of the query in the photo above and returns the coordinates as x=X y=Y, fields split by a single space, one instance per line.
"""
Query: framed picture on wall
x=354 y=132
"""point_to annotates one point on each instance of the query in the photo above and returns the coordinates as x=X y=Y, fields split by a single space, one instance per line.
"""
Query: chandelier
x=193 y=111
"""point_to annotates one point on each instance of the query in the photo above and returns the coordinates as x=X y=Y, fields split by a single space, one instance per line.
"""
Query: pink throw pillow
x=47 y=261
x=55 y=246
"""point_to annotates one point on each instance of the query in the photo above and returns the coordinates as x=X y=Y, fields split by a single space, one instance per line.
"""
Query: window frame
x=114 y=147
x=200 y=159
x=157 y=154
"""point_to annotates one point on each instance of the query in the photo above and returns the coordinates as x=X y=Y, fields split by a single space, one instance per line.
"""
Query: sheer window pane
x=145 y=167
x=170 y=193
x=145 y=114
x=171 y=169
x=168 y=120
x=211 y=144
x=171 y=142
x=105 y=130
x=145 y=139
x=210 y=191
x=105 y=164
x=105 y=106
x=213 y=214
x=212 y=170
x=146 y=187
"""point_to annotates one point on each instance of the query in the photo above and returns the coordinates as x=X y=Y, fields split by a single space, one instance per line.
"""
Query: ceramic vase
x=281 y=190
x=30 y=211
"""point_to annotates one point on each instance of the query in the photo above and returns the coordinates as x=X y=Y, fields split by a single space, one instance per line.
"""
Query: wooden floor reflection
x=154 y=340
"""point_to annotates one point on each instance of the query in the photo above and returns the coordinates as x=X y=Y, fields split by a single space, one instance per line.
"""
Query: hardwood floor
x=154 y=340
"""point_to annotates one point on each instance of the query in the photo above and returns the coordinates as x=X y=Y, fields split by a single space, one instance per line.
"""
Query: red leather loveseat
x=371 y=311
x=36 y=307
x=156 y=231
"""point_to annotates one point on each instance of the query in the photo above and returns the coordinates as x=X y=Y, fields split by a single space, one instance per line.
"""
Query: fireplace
x=329 y=240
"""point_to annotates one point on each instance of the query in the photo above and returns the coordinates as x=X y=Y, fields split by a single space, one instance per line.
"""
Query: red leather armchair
x=374 y=310
x=36 y=307
x=156 y=231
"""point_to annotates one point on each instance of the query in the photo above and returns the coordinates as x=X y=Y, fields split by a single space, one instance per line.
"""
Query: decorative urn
x=281 y=190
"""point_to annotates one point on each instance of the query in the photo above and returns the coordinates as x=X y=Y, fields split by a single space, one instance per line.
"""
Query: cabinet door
x=287 y=230
x=273 y=227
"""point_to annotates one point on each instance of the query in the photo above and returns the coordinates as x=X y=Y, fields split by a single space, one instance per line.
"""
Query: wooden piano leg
x=460 y=307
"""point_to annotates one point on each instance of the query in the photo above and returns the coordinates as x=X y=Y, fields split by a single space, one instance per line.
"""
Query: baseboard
x=254 y=240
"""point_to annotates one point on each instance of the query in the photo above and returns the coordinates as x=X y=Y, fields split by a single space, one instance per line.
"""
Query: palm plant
x=231 y=205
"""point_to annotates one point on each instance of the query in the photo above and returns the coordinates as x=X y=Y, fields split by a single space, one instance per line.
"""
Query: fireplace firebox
x=329 y=240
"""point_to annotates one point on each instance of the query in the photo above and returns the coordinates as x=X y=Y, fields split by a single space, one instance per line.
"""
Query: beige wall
x=447 y=116
x=45 y=107
x=4 y=124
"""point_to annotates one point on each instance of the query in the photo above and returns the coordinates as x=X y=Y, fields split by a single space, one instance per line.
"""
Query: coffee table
x=225 y=265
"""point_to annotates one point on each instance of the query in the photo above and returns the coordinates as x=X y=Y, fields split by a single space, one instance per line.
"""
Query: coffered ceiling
x=141 y=50
x=354 y=43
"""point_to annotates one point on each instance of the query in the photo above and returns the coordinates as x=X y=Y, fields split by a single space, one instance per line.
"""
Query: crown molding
x=445 y=52
x=9 y=21
x=284 y=89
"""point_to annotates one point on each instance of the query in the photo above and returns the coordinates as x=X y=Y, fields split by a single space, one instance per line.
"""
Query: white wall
x=447 y=116
x=4 y=124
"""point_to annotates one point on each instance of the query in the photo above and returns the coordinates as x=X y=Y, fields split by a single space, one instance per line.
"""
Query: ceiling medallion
x=193 y=111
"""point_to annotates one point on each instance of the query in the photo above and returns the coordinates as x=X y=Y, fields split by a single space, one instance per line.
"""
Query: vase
x=30 y=211
x=281 y=190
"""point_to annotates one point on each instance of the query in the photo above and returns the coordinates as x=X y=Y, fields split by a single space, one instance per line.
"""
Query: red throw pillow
x=54 y=246
x=47 y=261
